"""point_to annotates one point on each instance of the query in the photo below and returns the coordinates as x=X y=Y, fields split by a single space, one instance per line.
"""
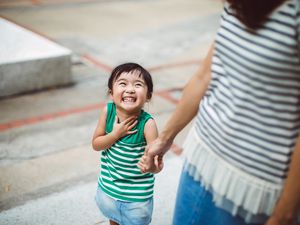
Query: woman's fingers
x=157 y=164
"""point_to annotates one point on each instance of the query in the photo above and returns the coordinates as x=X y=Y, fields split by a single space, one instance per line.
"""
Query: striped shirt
x=250 y=115
x=120 y=178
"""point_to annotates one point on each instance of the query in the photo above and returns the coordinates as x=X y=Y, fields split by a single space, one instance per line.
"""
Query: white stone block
x=30 y=62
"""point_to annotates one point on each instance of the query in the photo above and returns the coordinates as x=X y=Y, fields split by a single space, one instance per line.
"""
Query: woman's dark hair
x=131 y=67
x=253 y=13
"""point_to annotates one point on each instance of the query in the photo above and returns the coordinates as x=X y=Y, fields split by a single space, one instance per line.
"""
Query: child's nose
x=130 y=89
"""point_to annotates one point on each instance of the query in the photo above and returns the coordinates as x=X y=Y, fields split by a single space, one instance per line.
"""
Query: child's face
x=129 y=92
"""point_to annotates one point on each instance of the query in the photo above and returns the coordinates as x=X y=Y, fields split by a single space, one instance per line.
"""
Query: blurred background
x=55 y=59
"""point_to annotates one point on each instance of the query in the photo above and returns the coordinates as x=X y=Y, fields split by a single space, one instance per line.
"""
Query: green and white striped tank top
x=120 y=178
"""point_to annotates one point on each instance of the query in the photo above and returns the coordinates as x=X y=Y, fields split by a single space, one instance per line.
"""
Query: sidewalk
x=48 y=170
x=75 y=205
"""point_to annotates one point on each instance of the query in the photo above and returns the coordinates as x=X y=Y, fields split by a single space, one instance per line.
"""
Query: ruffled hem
x=249 y=196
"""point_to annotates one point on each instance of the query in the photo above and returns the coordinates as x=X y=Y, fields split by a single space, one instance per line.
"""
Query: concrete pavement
x=48 y=170
x=75 y=205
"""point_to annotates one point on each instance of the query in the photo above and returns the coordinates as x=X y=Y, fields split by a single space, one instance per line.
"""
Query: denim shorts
x=124 y=213
x=195 y=206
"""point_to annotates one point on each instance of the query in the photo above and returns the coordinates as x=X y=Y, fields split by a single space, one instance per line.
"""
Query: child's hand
x=153 y=164
x=124 y=128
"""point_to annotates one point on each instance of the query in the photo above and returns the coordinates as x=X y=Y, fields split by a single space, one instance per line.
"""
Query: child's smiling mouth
x=128 y=99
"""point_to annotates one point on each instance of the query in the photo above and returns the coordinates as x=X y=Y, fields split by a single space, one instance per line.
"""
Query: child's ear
x=149 y=96
x=110 y=93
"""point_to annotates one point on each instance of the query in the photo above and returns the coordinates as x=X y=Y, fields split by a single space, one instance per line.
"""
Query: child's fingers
x=146 y=164
x=141 y=166
x=142 y=160
x=131 y=125
x=129 y=120
x=131 y=131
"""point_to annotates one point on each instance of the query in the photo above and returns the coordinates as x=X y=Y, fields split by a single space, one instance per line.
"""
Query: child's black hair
x=131 y=67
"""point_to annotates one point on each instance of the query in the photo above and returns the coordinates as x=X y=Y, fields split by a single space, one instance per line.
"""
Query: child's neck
x=123 y=115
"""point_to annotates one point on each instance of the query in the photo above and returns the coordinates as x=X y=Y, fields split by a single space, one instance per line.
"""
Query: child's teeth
x=128 y=99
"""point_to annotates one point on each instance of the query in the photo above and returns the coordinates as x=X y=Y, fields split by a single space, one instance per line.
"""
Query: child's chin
x=129 y=106
x=129 y=103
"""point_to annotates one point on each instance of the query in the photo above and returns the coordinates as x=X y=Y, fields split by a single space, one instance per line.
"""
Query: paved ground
x=48 y=170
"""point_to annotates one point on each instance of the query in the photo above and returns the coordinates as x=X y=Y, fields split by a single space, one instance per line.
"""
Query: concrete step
x=30 y=62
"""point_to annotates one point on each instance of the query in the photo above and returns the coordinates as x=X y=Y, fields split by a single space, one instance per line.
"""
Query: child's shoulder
x=145 y=116
x=147 y=120
x=107 y=108
x=110 y=107
x=110 y=104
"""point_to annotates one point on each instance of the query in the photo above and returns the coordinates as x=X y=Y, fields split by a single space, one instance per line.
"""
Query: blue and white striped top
x=250 y=115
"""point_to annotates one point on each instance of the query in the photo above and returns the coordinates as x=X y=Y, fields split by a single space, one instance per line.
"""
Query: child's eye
x=139 y=85
x=123 y=84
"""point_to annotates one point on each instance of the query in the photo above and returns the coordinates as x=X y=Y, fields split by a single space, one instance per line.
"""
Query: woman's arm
x=186 y=109
x=102 y=141
x=287 y=207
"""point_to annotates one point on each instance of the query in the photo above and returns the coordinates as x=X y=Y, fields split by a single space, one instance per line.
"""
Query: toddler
x=124 y=193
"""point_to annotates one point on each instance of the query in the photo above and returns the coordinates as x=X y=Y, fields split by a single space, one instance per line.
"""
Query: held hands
x=124 y=128
x=153 y=164
x=152 y=159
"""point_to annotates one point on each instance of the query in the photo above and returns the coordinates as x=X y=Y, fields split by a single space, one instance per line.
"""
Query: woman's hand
x=152 y=160
x=124 y=128
x=273 y=220
x=153 y=165
x=288 y=205
x=284 y=214
x=159 y=146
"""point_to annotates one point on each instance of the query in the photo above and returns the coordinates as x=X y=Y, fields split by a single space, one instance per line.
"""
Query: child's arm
x=151 y=133
x=102 y=141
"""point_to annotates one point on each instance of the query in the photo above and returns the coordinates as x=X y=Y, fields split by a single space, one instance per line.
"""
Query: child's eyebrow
x=124 y=79
x=121 y=79
x=140 y=80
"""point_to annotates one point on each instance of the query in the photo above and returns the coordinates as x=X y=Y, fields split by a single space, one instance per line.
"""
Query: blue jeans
x=194 y=206
x=124 y=213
